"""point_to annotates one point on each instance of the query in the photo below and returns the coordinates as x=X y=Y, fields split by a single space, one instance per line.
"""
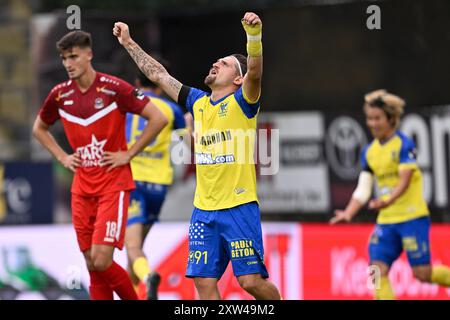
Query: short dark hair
x=242 y=61
x=75 y=38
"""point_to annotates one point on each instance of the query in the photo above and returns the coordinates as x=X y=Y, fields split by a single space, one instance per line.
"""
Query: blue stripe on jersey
x=194 y=95
x=178 y=121
x=178 y=116
x=250 y=110
x=220 y=100
x=364 y=164
x=407 y=150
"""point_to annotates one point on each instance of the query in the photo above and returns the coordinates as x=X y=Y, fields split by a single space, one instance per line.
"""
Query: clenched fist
x=122 y=32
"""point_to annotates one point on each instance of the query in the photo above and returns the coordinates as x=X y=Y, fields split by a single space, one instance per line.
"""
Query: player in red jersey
x=92 y=107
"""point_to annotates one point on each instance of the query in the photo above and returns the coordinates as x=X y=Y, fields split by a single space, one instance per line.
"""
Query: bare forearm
x=149 y=66
x=255 y=68
x=48 y=141
x=153 y=70
x=398 y=191
x=353 y=207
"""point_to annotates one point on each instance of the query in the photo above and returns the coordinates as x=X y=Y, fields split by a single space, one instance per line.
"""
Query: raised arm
x=149 y=66
x=252 y=81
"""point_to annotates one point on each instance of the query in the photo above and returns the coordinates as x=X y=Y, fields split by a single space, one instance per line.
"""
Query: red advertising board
x=335 y=261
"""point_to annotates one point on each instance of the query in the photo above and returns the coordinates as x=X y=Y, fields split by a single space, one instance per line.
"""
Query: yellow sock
x=440 y=275
x=141 y=268
x=385 y=291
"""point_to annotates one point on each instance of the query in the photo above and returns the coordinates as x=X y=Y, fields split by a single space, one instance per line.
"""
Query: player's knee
x=90 y=265
x=203 y=285
x=249 y=283
x=101 y=262
x=88 y=260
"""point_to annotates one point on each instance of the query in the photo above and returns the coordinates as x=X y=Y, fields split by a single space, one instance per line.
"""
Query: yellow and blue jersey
x=384 y=161
x=153 y=163
x=224 y=132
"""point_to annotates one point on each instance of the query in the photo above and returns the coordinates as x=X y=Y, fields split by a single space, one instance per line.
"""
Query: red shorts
x=100 y=219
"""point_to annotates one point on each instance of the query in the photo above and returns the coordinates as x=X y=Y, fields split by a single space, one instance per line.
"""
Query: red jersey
x=94 y=122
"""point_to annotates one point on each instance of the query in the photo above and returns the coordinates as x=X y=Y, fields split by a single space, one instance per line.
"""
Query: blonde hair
x=391 y=104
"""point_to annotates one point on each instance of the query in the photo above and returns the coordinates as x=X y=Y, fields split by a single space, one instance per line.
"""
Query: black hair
x=242 y=61
x=75 y=38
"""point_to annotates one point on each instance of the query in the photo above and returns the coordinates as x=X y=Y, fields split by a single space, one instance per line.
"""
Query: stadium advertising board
x=305 y=261
x=26 y=193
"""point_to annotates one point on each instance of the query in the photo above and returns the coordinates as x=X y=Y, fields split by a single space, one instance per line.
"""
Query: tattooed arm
x=149 y=66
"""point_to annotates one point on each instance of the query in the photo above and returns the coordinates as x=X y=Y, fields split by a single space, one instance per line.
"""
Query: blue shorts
x=216 y=237
x=146 y=202
x=389 y=240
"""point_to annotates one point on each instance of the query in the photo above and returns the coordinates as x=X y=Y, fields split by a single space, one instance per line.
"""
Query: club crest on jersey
x=98 y=104
x=92 y=154
x=138 y=94
x=223 y=108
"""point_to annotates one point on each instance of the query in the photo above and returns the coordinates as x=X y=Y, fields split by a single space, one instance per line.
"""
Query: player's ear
x=90 y=54
x=238 y=81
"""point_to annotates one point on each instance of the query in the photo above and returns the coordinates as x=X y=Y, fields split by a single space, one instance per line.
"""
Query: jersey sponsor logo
x=92 y=154
x=98 y=104
x=242 y=249
x=68 y=102
x=410 y=244
x=150 y=155
x=134 y=209
x=217 y=137
x=138 y=94
x=64 y=95
x=387 y=175
x=106 y=91
x=207 y=158
x=223 y=109
x=239 y=190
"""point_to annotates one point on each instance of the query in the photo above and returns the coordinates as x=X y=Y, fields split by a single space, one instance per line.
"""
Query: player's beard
x=210 y=79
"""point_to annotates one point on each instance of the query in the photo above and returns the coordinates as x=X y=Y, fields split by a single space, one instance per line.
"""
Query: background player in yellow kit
x=225 y=223
x=152 y=174
x=403 y=221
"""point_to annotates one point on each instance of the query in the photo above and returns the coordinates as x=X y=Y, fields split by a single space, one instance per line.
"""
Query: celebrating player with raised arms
x=225 y=223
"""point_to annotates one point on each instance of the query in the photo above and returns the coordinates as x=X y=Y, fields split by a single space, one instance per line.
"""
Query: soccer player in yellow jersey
x=152 y=174
x=403 y=221
x=225 y=223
